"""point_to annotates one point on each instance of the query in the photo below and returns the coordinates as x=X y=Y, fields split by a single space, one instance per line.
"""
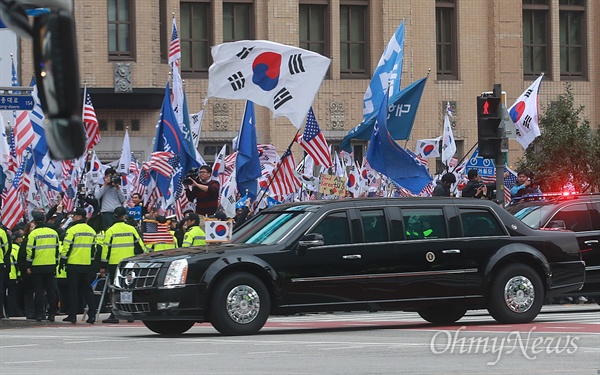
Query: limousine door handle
x=591 y=242
x=451 y=251
x=353 y=256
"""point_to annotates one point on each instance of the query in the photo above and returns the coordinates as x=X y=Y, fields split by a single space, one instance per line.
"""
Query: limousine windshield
x=270 y=227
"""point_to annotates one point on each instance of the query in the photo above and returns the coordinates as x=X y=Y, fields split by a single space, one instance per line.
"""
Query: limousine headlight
x=177 y=273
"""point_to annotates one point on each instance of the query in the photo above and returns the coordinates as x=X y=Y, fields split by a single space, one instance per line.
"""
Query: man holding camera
x=474 y=188
x=203 y=189
x=110 y=196
x=524 y=185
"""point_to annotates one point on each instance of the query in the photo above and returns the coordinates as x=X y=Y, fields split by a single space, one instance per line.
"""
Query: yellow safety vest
x=119 y=243
x=42 y=247
x=194 y=237
x=14 y=255
x=78 y=245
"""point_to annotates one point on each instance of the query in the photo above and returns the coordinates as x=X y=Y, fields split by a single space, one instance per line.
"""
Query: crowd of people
x=49 y=264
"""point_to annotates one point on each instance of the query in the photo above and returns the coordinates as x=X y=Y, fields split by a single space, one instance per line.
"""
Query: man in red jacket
x=204 y=190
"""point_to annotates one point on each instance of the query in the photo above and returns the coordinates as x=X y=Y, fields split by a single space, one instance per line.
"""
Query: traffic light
x=489 y=119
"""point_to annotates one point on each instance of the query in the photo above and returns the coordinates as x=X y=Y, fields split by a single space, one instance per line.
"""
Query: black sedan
x=437 y=256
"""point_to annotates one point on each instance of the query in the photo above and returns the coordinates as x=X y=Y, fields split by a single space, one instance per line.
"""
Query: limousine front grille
x=138 y=276
x=133 y=307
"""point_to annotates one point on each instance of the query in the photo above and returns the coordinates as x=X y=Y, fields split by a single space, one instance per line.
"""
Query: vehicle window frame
x=424 y=209
x=244 y=236
x=381 y=217
x=317 y=222
x=570 y=205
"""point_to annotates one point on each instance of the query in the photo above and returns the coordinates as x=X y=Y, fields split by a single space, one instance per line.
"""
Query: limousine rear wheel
x=239 y=305
x=516 y=295
x=442 y=315
x=169 y=327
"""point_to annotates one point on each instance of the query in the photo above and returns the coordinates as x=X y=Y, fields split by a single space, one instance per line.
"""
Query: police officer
x=121 y=241
x=194 y=235
x=5 y=249
x=42 y=254
x=77 y=254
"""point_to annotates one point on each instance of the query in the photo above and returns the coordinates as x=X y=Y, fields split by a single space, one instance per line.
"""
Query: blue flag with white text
x=387 y=157
x=400 y=116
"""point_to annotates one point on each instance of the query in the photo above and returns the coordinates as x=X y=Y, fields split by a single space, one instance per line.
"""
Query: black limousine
x=437 y=256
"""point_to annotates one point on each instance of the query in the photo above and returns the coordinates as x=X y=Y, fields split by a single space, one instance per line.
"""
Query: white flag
x=125 y=160
x=448 y=144
x=428 y=148
x=228 y=195
x=218 y=230
x=524 y=113
x=177 y=97
x=196 y=126
x=283 y=78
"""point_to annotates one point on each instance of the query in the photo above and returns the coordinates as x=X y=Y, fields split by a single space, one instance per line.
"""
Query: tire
x=516 y=294
x=239 y=305
x=442 y=315
x=169 y=327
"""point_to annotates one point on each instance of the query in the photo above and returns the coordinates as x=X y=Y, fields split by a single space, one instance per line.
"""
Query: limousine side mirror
x=310 y=240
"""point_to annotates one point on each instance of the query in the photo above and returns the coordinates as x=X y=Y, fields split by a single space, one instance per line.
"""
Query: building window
x=536 y=54
x=135 y=125
x=119 y=125
x=446 y=40
x=209 y=151
x=237 y=21
x=354 y=55
x=194 y=36
x=103 y=125
x=121 y=29
x=572 y=41
x=165 y=36
x=313 y=28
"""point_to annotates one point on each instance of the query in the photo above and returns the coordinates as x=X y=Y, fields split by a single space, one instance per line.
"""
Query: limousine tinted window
x=269 y=228
x=374 y=225
x=576 y=217
x=334 y=228
x=478 y=223
x=424 y=223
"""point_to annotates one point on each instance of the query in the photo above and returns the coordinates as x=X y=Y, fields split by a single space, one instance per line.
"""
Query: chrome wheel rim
x=519 y=294
x=243 y=304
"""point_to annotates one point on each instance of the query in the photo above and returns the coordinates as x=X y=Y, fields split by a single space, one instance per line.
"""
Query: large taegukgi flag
x=283 y=78
x=524 y=114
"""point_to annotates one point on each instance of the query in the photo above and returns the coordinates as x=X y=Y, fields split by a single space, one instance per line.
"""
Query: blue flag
x=169 y=138
x=388 y=72
x=400 y=117
x=388 y=158
x=247 y=162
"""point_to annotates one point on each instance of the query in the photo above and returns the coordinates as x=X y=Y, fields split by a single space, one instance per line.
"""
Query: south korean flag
x=283 y=78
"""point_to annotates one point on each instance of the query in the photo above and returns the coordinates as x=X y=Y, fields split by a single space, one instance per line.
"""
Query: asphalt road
x=562 y=340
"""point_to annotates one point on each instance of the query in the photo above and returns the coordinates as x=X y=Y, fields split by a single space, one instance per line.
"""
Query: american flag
x=509 y=181
x=175 y=46
x=313 y=141
x=23 y=131
x=427 y=190
x=284 y=180
x=160 y=161
x=12 y=209
x=155 y=232
x=92 y=129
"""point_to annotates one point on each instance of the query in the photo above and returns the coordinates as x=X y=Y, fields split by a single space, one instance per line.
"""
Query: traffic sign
x=16 y=102
x=485 y=167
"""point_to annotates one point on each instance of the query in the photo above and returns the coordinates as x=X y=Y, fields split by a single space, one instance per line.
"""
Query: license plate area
x=126 y=297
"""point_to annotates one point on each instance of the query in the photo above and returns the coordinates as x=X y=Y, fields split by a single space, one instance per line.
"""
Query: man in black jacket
x=474 y=188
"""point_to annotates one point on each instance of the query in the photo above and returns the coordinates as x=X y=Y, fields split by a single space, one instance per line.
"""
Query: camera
x=115 y=179
x=192 y=175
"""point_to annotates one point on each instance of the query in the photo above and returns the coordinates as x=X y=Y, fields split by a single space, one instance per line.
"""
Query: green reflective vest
x=119 y=243
x=78 y=245
x=194 y=237
x=42 y=248
x=14 y=255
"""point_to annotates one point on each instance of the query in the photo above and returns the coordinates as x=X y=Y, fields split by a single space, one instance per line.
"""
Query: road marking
x=191 y=354
x=17 y=346
x=103 y=358
x=28 y=362
x=90 y=341
x=344 y=347
x=269 y=352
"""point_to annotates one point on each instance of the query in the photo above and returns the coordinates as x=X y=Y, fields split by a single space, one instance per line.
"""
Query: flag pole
x=289 y=148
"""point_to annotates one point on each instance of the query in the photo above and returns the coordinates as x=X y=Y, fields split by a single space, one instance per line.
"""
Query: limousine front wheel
x=516 y=295
x=239 y=305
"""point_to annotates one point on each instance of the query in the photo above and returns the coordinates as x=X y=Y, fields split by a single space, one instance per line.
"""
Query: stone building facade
x=467 y=45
